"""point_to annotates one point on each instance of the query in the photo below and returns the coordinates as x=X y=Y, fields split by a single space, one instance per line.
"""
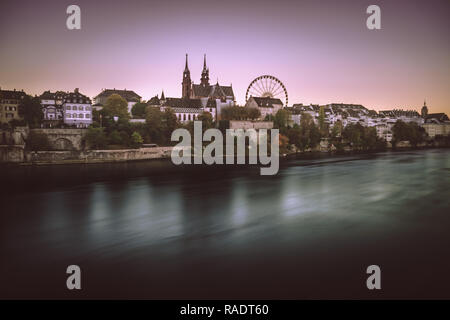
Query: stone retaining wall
x=93 y=156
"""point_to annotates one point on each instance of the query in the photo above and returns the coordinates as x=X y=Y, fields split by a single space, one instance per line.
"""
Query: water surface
x=152 y=230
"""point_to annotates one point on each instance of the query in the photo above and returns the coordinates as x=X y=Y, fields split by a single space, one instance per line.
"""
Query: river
x=152 y=230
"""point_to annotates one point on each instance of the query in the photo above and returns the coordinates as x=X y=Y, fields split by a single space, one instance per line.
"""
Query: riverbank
x=88 y=156
x=27 y=158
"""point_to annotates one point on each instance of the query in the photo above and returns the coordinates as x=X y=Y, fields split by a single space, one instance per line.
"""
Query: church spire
x=424 y=111
x=204 y=80
x=186 y=84
x=162 y=96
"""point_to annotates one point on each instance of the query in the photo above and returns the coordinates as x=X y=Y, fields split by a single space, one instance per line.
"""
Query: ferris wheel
x=268 y=87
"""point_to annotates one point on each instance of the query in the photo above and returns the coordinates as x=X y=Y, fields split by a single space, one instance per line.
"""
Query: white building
x=185 y=109
x=77 y=109
x=266 y=105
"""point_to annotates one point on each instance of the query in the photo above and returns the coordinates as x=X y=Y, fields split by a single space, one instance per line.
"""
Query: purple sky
x=321 y=50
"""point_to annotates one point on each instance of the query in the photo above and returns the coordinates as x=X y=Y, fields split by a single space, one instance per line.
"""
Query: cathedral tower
x=204 y=80
x=186 y=84
x=424 y=110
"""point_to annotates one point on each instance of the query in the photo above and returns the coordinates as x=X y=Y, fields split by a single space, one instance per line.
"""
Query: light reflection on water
x=217 y=228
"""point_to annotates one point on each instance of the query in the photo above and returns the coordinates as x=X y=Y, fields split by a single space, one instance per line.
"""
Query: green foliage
x=96 y=138
x=283 y=144
x=322 y=125
x=136 y=140
x=115 y=137
x=363 y=138
x=304 y=136
x=116 y=106
x=239 y=113
x=31 y=111
x=37 y=142
x=411 y=132
x=336 y=130
x=207 y=120
x=281 y=119
x=160 y=125
x=125 y=138
x=138 y=110
x=253 y=113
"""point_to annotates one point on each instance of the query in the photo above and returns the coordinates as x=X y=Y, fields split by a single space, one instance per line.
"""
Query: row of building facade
x=75 y=109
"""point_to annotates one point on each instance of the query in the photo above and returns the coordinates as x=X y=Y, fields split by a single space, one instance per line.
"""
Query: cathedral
x=197 y=98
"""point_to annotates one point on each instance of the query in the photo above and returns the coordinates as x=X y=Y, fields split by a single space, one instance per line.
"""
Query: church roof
x=441 y=117
x=267 y=102
x=212 y=91
x=182 y=103
x=128 y=95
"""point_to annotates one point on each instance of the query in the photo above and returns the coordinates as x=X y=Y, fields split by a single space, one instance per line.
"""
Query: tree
x=309 y=133
x=411 y=132
x=253 y=113
x=234 y=113
x=281 y=118
x=295 y=136
x=170 y=123
x=136 y=140
x=417 y=134
x=353 y=133
x=115 y=137
x=207 y=120
x=138 y=110
x=322 y=126
x=153 y=119
x=363 y=138
x=31 y=111
x=96 y=138
x=336 y=130
x=283 y=143
x=116 y=106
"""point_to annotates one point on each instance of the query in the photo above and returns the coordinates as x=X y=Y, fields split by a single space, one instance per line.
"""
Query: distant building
x=77 y=109
x=197 y=98
x=436 y=124
x=52 y=107
x=403 y=115
x=267 y=106
x=424 y=111
x=185 y=109
x=70 y=108
x=216 y=96
x=9 y=104
x=436 y=118
x=130 y=96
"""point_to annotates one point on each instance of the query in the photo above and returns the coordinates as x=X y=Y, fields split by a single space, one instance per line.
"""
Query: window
x=88 y=115
x=80 y=116
x=80 y=108
x=74 y=108
x=68 y=115
x=68 y=108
